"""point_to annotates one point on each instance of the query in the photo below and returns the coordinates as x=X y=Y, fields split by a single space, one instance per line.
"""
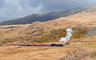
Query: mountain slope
x=42 y=17
x=86 y=19
x=53 y=30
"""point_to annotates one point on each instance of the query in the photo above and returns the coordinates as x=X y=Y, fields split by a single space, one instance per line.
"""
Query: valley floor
x=40 y=53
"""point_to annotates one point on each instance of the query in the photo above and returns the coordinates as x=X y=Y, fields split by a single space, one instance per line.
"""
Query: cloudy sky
x=11 y=9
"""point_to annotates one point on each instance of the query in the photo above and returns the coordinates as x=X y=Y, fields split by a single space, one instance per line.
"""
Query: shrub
x=79 y=32
x=52 y=36
x=56 y=34
x=6 y=41
x=79 y=55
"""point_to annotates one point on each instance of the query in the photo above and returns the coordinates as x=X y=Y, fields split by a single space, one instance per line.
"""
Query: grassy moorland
x=81 y=47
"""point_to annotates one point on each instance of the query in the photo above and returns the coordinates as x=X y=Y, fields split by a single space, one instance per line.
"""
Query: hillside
x=86 y=18
x=42 y=17
x=80 y=47
x=53 y=30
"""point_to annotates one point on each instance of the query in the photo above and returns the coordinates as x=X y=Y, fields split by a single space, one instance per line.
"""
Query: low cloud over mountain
x=42 y=17
x=11 y=9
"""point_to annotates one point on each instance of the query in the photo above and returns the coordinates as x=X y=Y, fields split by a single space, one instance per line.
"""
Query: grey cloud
x=51 y=5
x=11 y=9
x=1 y=3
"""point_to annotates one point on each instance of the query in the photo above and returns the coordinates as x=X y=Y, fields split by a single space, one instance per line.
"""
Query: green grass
x=91 y=45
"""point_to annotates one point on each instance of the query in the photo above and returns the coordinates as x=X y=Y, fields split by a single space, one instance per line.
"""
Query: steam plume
x=68 y=36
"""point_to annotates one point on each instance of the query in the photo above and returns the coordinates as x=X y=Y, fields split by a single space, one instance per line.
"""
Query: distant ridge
x=42 y=17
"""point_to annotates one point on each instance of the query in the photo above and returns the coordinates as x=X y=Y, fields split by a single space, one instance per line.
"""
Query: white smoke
x=68 y=36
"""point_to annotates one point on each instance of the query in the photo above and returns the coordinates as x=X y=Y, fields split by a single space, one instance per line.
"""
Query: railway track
x=49 y=45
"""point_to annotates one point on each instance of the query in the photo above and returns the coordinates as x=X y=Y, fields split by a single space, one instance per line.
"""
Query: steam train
x=42 y=45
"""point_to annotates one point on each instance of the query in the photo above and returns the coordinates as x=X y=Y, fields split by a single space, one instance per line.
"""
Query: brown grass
x=79 y=55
